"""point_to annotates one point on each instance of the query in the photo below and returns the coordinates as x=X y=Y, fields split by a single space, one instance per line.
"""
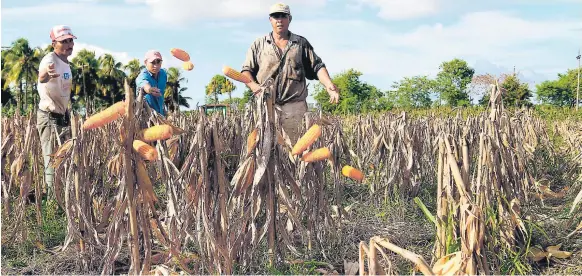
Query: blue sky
x=384 y=39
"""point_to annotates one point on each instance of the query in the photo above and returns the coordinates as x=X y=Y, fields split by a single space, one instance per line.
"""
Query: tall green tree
x=173 y=96
x=560 y=92
x=516 y=93
x=452 y=82
x=228 y=88
x=7 y=98
x=111 y=78
x=219 y=84
x=412 y=92
x=355 y=95
x=132 y=69
x=21 y=68
x=86 y=79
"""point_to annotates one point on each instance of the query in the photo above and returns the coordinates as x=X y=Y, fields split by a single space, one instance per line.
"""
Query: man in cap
x=152 y=79
x=290 y=59
x=54 y=88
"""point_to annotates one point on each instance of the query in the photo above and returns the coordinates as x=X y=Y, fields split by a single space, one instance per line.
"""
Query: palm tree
x=21 y=65
x=7 y=98
x=85 y=77
x=133 y=67
x=111 y=78
x=174 y=90
x=215 y=86
x=228 y=87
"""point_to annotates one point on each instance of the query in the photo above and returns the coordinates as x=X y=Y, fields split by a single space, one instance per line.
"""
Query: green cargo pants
x=48 y=130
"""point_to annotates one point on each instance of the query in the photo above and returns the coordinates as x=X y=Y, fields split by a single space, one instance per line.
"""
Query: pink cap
x=61 y=32
x=152 y=55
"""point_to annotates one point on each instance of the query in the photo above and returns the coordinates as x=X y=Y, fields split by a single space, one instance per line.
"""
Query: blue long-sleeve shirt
x=157 y=103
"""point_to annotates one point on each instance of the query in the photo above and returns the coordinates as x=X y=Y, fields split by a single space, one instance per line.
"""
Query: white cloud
x=84 y=13
x=403 y=9
x=178 y=12
x=385 y=55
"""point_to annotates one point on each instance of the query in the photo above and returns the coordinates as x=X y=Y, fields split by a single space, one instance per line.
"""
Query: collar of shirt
x=292 y=37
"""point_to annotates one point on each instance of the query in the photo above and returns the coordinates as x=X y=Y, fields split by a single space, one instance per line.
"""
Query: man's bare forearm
x=324 y=77
x=43 y=76
x=249 y=75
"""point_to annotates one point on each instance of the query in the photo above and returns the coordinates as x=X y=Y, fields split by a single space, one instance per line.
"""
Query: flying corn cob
x=146 y=151
x=235 y=75
x=252 y=141
x=106 y=116
x=180 y=54
x=308 y=138
x=158 y=132
x=316 y=155
x=188 y=65
x=353 y=173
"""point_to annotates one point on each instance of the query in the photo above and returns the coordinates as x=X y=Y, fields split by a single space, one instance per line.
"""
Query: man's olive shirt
x=299 y=63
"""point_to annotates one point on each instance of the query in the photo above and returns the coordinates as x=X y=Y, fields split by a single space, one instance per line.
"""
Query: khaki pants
x=48 y=130
x=292 y=117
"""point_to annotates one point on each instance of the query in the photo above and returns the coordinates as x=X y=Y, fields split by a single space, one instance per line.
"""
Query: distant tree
x=515 y=93
x=356 y=96
x=452 y=82
x=412 y=92
x=219 y=84
x=560 y=92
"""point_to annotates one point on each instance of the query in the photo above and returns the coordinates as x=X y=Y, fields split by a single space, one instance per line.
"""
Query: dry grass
x=222 y=208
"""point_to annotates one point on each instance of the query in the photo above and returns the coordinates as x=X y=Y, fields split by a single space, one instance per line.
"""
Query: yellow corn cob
x=353 y=173
x=252 y=141
x=188 y=65
x=145 y=184
x=235 y=75
x=146 y=151
x=158 y=132
x=180 y=54
x=106 y=116
x=316 y=155
x=308 y=138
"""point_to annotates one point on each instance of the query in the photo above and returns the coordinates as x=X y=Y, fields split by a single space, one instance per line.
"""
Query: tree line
x=97 y=81
x=456 y=84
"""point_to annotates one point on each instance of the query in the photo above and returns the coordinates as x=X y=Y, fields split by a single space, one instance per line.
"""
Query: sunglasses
x=156 y=61
x=279 y=15
x=66 y=41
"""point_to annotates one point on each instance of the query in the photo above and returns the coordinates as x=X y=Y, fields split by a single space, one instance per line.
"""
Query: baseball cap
x=152 y=55
x=61 y=32
x=280 y=7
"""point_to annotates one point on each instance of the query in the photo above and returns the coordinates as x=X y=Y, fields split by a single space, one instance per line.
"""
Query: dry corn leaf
x=554 y=251
x=450 y=263
x=535 y=254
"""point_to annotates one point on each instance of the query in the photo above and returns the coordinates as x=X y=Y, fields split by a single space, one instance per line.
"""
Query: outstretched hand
x=333 y=92
x=52 y=72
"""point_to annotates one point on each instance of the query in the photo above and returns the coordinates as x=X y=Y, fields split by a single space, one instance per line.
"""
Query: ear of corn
x=180 y=54
x=316 y=155
x=145 y=184
x=252 y=141
x=235 y=75
x=146 y=151
x=106 y=116
x=307 y=140
x=188 y=65
x=158 y=132
x=353 y=173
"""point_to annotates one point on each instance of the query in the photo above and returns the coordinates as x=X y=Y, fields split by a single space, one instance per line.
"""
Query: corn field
x=220 y=194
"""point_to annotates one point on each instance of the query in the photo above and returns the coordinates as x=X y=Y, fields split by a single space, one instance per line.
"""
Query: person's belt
x=52 y=114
